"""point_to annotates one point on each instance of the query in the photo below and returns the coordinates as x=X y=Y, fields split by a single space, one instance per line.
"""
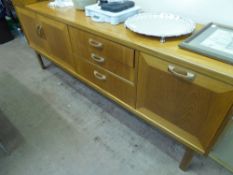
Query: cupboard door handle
x=97 y=58
x=95 y=43
x=181 y=73
x=99 y=76
x=39 y=30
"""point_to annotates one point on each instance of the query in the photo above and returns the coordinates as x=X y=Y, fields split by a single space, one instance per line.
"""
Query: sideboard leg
x=2 y=147
x=40 y=61
x=186 y=160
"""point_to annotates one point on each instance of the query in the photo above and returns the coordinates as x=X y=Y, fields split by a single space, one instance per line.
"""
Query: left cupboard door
x=33 y=30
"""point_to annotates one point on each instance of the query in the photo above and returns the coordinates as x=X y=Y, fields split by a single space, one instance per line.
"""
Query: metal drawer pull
x=97 y=58
x=39 y=30
x=181 y=74
x=95 y=43
x=99 y=76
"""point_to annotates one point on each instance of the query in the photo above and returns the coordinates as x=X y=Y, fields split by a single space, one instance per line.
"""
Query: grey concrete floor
x=69 y=129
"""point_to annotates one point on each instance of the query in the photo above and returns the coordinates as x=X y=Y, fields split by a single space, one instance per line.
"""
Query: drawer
x=107 y=81
x=107 y=54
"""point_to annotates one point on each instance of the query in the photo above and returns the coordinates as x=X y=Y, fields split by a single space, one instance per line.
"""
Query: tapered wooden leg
x=40 y=61
x=187 y=158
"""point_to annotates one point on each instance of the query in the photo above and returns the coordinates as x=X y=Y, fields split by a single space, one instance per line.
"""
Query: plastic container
x=99 y=15
x=81 y=4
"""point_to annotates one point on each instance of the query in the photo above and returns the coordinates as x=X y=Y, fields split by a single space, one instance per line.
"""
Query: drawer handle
x=99 y=76
x=97 y=58
x=95 y=43
x=181 y=73
x=39 y=30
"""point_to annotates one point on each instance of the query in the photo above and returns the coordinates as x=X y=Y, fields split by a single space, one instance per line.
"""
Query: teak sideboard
x=185 y=95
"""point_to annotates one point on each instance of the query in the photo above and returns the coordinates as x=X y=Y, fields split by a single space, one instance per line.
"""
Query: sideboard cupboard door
x=57 y=37
x=31 y=27
x=185 y=104
x=48 y=37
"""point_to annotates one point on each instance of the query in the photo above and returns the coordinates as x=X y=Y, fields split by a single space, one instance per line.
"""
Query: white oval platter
x=160 y=25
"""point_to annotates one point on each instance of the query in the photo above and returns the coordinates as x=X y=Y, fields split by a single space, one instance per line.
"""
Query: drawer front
x=107 y=81
x=109 y=55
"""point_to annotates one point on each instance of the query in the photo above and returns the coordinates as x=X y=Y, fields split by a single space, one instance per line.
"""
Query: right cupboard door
x=186 y=104
x=58 y=41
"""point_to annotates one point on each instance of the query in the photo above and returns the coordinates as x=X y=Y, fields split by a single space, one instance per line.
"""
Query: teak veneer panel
x=198 y=107
x=117 y=58
x=29 y=23
x=53 y=39
x=112 y=84
x=58 y=40
x=108 y=49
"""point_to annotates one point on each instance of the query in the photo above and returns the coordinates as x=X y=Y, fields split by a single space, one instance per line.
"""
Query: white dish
x=160 y=25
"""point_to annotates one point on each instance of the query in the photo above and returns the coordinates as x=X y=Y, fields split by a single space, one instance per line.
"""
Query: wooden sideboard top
x=118 y=33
